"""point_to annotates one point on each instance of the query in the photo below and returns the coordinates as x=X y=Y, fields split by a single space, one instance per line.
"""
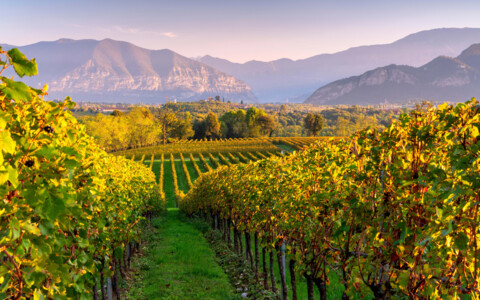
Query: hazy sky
x=238 y=30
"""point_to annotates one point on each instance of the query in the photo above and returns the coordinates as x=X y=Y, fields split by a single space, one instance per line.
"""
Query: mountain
x=442 y=79
x=296 y=80
x=108 y=70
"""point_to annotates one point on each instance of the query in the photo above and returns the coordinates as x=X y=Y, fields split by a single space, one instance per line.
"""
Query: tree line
x=152 y=125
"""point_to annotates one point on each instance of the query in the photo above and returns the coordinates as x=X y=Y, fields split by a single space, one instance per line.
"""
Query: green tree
x=183 y=128
x=199 y=127
x=212 y=126
x=234 y=124
x=313 y=124
x=251 y=117
x=142 y=127
x=266 y=124
x=167 y=120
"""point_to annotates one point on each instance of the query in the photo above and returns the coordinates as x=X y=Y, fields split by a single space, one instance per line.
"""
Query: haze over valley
x=116 y=71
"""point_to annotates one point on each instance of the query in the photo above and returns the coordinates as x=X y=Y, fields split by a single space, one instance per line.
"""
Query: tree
x=117 y=113
x=234 y=124
x=313 y=123
x=212 y=126
x=267 y=124
x=251 y=119
x=199 y=127
x=142 y=127
x=343 y=127
x=168 y=121
x=183 y=128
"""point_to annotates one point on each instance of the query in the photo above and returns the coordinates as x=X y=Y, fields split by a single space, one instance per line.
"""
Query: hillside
x=284 y=78
x=442 y=79
x=109 y=70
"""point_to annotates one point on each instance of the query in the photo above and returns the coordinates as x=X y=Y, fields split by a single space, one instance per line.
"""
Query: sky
x=237 y=30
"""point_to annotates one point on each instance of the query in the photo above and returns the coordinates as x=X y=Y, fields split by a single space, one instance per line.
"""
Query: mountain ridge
x=110 y=70
x=278 y=79
x=442 y=79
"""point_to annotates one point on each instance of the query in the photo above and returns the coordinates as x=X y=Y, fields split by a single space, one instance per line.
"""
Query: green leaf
x=4 y=119
x=13 y=176
x=7 y=144
x=54 y=206
x=461 y=242
x=449 y=229
x=118 y=253
x=22 y=65
x=15 y=90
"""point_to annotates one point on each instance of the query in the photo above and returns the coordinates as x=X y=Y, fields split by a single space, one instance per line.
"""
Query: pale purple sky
x=237 y=30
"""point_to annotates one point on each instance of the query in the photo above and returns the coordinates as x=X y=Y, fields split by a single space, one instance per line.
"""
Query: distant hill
x=109 y=70
x=442 y=79
x=296 y=80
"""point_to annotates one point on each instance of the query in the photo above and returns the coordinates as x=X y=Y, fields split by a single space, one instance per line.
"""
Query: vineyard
x=261 y=145
x=391 y=214
x=71 y=214
x=181 y=169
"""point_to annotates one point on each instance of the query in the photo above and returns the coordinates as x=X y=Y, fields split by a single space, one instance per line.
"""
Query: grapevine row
x=69 y=211
x=185 y=170
x=392 y=213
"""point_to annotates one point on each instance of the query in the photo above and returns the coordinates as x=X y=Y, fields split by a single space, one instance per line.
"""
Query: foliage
x=185 y=171
x=212 y=127
x=313 y=123
x=66 y=205
x=192 y=146
x=393 y=212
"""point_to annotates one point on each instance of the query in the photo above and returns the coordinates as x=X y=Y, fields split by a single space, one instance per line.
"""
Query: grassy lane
x=178 y=263
x=156 y=168
x=200 y=164
x=168 y=183
x=191 y=170
x=286 y=148
x=182 y=180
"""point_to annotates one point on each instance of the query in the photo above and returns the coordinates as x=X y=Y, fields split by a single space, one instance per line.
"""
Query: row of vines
x=220 y=146
x=69 y=211
x=394 y=213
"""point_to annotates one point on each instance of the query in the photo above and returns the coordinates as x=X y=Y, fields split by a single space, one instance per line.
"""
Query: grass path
x=168 y=183
x=178 y=263
x=181 y=179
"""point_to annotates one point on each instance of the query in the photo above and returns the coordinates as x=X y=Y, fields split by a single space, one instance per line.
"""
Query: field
x=243 y=145
x=193 y=159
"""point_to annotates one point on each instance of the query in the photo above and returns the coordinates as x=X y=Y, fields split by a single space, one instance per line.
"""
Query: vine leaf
x=22 y=65
x=6 y=142
x=15 y=90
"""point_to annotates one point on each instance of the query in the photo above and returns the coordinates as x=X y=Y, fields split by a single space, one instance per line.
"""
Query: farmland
x=178 y=165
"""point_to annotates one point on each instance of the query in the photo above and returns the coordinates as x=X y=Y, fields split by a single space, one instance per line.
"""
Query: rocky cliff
x=110 y=70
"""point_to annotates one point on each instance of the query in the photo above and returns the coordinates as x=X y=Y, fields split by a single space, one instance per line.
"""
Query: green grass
x=209 y=161
x=168 y=183
x=200 y=164
x=182 y=180
x=156 y=168
x=286 y=148
x=178 y=263
x=191 y=170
